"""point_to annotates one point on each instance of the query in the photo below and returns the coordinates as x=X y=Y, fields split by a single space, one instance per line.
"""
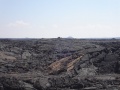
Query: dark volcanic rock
x=59 y=64
x=8 y=83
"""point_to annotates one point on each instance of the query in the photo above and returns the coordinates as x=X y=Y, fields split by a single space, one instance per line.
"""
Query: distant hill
x=70 y=37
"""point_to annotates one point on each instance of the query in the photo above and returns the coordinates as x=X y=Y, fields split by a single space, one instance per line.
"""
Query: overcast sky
x=59 y=18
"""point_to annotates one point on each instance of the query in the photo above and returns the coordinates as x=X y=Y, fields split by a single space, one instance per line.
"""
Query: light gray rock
x=90 y=71
x=26 y=55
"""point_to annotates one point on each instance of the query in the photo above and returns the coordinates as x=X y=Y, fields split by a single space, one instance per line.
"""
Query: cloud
x=54 y=26
x=19 y=24
x=92 y=27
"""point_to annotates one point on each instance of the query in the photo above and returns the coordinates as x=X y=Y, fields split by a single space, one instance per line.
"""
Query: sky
x=59 y=18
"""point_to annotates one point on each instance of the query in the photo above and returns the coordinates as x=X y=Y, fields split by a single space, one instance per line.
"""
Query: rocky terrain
x=59 y=64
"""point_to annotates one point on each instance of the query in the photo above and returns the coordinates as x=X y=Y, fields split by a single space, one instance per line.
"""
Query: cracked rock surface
x=59 y=64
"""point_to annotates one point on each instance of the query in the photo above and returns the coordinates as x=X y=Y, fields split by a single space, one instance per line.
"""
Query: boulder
x=26 y=55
